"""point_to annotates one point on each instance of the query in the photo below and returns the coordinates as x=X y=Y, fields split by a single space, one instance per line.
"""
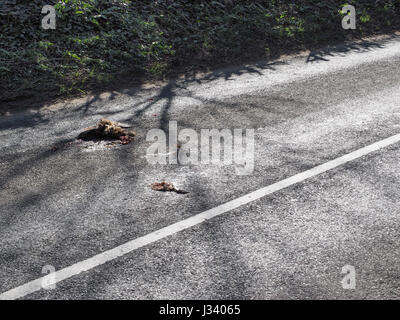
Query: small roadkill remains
x=166 y=186
x=108 y=130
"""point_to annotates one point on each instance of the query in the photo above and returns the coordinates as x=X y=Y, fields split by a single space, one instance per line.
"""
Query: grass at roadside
x=98 y=43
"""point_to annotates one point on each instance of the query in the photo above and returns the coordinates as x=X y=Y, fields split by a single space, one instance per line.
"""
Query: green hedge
x=97 y=42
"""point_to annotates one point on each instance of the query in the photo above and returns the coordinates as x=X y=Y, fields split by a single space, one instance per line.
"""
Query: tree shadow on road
x=346 y=48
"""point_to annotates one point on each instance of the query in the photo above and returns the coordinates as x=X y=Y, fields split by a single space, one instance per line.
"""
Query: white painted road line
x=128 y=247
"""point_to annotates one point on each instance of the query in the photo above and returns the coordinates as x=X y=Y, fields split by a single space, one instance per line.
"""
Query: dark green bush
x=99 y=41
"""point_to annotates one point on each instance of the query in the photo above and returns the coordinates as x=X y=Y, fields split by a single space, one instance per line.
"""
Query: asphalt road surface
x=64 y=201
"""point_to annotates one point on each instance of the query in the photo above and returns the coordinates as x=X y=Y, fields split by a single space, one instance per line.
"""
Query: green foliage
x=98 y=41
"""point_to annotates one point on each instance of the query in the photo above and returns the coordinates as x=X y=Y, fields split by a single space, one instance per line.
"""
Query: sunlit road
x=63 y=202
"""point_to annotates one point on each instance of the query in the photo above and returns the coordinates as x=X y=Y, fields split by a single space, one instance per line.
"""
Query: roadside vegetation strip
x=109 y=255
x=97 y=43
